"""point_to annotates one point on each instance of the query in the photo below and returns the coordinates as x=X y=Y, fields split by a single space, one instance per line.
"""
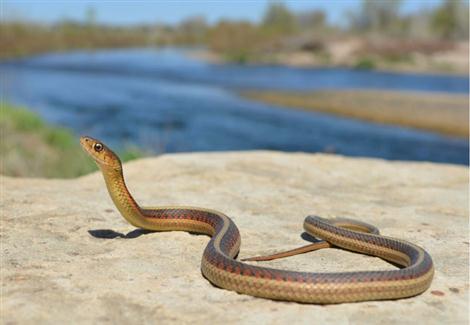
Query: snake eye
x=98 y=147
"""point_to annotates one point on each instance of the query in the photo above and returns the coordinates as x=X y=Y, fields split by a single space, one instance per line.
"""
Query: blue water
x=167 y=102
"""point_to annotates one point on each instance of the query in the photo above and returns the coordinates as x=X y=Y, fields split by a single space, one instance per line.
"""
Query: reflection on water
x=167 y=102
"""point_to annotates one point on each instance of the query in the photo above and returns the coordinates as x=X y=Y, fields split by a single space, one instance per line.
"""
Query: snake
x=219 y=264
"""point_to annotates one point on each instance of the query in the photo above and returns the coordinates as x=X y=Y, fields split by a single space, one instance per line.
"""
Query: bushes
x=365 y=64
x=26 y=38
x=237 y=42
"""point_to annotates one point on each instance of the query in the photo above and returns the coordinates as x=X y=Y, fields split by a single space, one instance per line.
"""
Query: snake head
x=103 y=156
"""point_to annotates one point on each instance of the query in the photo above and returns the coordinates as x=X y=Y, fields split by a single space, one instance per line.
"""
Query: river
x=166 y=101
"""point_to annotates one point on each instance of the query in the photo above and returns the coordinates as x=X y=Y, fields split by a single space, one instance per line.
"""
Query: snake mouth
x=101 y=154
x=87 y=143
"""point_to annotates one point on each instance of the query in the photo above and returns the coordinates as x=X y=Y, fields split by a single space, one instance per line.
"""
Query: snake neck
x=122 y=198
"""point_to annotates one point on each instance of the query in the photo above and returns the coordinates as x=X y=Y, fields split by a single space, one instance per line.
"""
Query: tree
x=311 y=19
x=90 y=16
x=278 y=18
x=377 y=16
x=193 y=29
x=450 y=20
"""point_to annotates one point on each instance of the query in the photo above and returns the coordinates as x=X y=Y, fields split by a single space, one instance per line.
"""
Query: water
x=167 y=102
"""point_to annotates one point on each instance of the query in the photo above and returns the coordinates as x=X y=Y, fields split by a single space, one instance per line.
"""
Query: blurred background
x=385 y=79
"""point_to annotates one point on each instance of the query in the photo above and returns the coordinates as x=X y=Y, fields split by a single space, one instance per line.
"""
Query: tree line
x=237 y=40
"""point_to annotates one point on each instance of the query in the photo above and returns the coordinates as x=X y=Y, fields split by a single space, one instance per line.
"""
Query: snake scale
x=220 y=267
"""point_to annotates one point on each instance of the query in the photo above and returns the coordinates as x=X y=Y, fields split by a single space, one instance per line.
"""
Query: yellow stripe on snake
x=221 y=268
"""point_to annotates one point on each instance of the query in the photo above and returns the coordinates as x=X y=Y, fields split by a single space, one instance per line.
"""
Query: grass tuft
x=29 y=147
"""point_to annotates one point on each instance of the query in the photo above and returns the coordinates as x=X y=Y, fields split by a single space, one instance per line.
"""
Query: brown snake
x=221 y=268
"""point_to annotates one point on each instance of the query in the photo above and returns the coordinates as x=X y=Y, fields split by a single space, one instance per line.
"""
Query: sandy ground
x=69 y=257
x=436 y=112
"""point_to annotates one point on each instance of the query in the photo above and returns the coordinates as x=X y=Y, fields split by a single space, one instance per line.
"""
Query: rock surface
x=65 y=256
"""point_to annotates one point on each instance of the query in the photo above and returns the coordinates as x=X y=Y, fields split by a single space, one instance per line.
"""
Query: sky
x=172 y=12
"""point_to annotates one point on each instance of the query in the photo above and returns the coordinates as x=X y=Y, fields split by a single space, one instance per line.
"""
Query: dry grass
x=442 y=113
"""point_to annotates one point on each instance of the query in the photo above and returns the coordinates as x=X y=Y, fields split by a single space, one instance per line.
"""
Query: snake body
x=220 y=267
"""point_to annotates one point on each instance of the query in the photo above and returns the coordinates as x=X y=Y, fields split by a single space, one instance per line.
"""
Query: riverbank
x=249 y=45
x=32 y=148
x=436 y=112
x=67 y=259
x=409 y=56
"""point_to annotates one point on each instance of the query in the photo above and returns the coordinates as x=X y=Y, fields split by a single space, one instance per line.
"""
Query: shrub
x=365 y=64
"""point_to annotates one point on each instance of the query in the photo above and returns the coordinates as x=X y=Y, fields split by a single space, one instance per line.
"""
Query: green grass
x=365 y=64
x=237 y=57
x=29 y=147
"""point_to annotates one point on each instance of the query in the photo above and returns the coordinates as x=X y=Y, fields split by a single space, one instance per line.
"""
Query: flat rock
x=69 y=257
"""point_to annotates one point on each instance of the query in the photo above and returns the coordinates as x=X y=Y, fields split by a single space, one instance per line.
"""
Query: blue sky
x=165 y=11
